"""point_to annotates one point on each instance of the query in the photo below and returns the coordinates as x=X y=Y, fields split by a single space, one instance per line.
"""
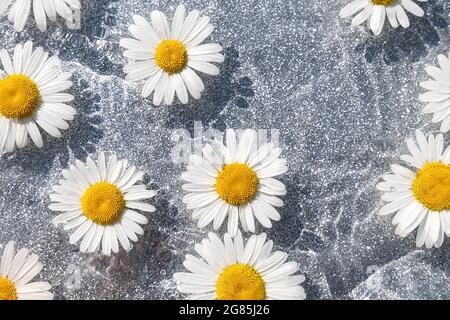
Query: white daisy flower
x=420 y=198
x=98 y=201
x=232 y=270
x=236 y=182
x=16 y=272
x=167 y=57
x=438 y=98
x=20 y=10
x=375 y=12
x=31 y=95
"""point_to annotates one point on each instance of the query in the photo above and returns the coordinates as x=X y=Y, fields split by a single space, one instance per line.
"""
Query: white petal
x=39 y=15
x=7 y=258
x=160 y=24
x=392 y=17
x=21 y=14
x=402 y=17
x=412 y=7
x=136 y=217
x=193 y=82
x=233 y=221
x=377 y=19
x=28 y=273
x=178 y=21
x=352 y=8
x=362 y=16
x=6 y=61
x=80 y=232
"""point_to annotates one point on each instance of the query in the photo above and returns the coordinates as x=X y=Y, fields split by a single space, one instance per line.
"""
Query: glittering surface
x=343 y=100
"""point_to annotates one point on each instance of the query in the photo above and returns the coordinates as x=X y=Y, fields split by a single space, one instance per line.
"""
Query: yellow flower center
x=237 y=183
x=171 y=56
x=7 y=289
x=383 y=2
x=103 y=203
x=240 y=282
x=431 y=187
x=19 y=96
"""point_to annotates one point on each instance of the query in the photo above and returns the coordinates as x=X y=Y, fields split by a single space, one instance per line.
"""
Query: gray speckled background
x=343 y=100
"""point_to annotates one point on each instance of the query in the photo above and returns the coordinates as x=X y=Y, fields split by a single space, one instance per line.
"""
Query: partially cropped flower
x=167 y=58
x=19 y=11
x=98 y=200
x=420 y=197
x=236 y=183
x=438 y=95
x=375 y=12
x=32 y=94
x=16 y=272
x=234 y=270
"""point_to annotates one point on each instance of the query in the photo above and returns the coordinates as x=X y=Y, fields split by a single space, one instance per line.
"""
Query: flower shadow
x=411 y=43
x=153 y=257
x=221 y=92
x=291 y=217
x=86 y=131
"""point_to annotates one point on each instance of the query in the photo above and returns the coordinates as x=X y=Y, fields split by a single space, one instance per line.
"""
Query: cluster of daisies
x=102 y=202
x=418 y=192
x=236 y=182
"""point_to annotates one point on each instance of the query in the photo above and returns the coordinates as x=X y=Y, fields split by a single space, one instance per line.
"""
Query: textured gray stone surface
x=343 y=100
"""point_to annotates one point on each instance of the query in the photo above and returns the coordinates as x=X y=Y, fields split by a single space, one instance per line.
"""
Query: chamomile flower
x=438 y=96
x=168 y=58
x=98 y=201
x=31 y=95
x=235 y=182
x=232 y=270
x=19 y=11
x=376 y=11
x=420 y=197
x=16 y=272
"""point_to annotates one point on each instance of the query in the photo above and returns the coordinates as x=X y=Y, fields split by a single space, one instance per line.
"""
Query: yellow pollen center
x=237 y=183
x=19 y=96
x=431 y=187
x=171 y=56
x=383 y=2
x=103 y=203
x=240 y=282
x=7 y=290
